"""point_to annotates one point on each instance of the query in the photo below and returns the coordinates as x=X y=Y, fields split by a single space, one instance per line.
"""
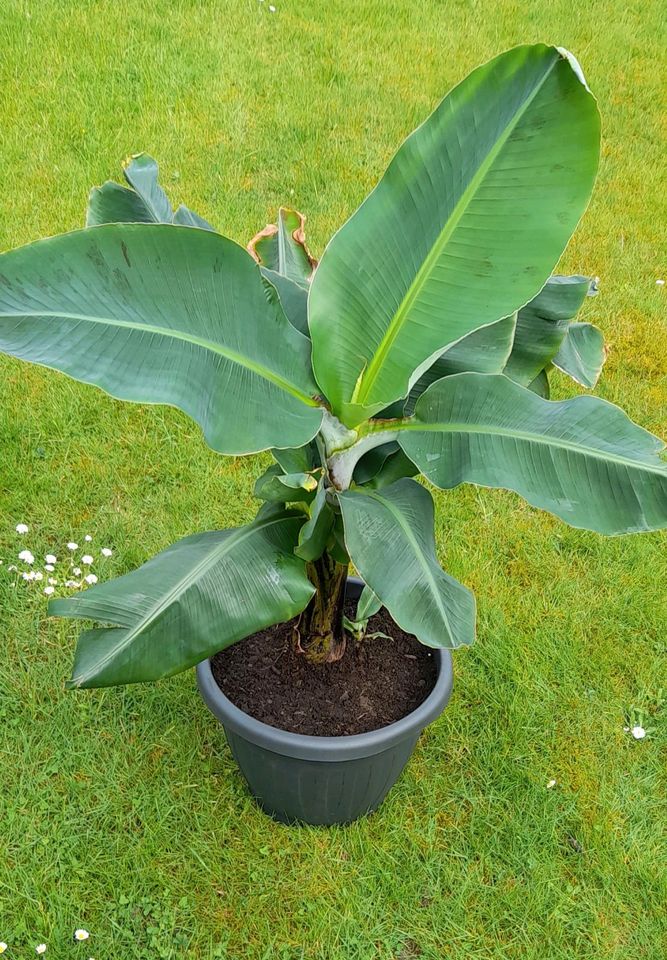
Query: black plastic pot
x=322 y=780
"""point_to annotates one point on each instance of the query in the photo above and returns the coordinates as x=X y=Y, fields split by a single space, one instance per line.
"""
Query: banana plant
x=422 y=343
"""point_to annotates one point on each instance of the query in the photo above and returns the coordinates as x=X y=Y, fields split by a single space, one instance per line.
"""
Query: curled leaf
x=282 y=247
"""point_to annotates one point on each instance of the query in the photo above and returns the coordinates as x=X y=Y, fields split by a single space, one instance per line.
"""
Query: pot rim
x=308 y=747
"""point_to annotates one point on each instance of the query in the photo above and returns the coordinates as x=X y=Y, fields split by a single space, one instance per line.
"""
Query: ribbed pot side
x=323 y=780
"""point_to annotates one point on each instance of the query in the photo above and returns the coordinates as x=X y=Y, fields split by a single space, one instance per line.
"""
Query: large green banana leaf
x=581 y=459
x=581 y=354
x=389 y=536
x=164 y=314
x=464 y=227
x=542 y=325
x=195 y=598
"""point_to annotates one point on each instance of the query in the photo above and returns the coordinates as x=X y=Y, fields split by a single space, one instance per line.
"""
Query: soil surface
x=376 y=682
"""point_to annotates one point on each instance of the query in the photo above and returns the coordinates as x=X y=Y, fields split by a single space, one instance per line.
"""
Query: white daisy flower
x=272 y=9
x=71 y=583
x=28 y=576
x=658 y=283
x=72 y=546
x=49 y=558
x=86 y=559
x=88 y=538
x=77 y=571
x=21 y=527
x=49 y=590
x=40 y=948
x=81 y=934
x=551 y=784
x=38 y=575
x=26 y=556
x=3 y=947
x=49 y=567
x=91 y=578
x=52 y=582
x=638 y=733
x=106 y=552
x=12 y=567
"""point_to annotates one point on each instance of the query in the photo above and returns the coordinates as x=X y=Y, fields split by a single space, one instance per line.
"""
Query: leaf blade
x=581 y=459
x=542 y=325
x=282 y=248
x=482 y=351
x=582 y=354
x=389 y=537
x=188 y=218
x=195 y=598
x=293 y=297
x=112 y=203
x=278 y=487
x=314 y=534
x=367 y=605
x=386 y=298
x=142 y=175
x=164 y=314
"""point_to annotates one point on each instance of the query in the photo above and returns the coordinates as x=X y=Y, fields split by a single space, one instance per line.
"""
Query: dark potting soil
x=377 y=681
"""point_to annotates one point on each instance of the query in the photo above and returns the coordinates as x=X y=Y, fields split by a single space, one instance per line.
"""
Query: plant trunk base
x=327 y=649
x=319 y=634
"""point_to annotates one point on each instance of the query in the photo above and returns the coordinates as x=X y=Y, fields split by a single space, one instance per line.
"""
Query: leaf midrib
x=282 y=247
x=220 y=349
x=453 y=427
x=370 y=374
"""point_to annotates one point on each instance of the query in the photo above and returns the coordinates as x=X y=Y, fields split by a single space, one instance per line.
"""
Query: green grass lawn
x=121 y=811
